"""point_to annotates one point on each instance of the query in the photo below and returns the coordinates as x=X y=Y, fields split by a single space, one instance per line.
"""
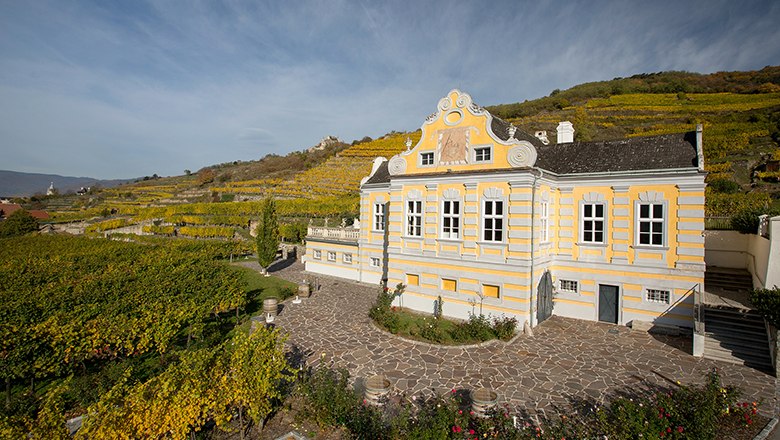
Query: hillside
x=19 y=184
x=740 y=112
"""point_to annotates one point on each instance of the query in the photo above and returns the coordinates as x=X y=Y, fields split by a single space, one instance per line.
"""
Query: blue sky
x=120 y=89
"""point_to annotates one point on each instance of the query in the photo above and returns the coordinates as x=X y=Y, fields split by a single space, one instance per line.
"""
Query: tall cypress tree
x=267 y=234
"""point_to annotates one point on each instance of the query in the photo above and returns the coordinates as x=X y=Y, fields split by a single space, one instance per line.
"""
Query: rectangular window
x=544 y=217
x=426 y=159
x=482 y=154
x=490 y=291
x=568 y=286
x=375 y=262
x=317 y=254
x=412 y=280
x=379 y=216
x=414 y=218
x=493 y=220
x=450 y=285
x=347 y=258
x=450 y=219
x=593 y=223
x=331 y=256
x=657 y=296
x=651 y=224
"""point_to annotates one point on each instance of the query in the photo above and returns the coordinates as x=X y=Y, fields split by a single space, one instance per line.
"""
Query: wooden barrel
x=377 y=390
x=270 y=305
x=482 y=401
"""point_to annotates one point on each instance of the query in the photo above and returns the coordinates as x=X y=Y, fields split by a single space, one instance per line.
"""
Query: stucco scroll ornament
x=475 y=109
x=464 y=100
x=523 y=155
x=396 y=166
x=445 y=103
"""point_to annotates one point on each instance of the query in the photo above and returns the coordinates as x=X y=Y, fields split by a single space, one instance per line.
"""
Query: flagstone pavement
x=565 y=361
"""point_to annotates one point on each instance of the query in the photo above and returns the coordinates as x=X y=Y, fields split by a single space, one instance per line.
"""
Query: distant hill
x=18 y=184
x=740 y=112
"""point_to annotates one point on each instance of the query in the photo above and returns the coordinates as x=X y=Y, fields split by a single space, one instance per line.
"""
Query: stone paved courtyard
x=566 y=360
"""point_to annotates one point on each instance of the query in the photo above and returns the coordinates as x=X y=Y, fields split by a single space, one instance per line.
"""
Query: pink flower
x=680 y=429
x=471 y=431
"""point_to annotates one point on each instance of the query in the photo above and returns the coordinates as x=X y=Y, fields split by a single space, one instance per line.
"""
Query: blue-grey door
x=608 y=303
x=544 y=298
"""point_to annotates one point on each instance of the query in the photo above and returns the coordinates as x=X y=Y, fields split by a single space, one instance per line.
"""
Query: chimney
x=699 y=147
x=565 y=132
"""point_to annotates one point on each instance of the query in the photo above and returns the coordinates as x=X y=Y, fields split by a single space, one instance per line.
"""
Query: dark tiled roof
x=501 y=129
x=666 y=151
x=382 y=175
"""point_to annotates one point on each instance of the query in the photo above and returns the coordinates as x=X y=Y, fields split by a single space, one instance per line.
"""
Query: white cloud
x=158 y=87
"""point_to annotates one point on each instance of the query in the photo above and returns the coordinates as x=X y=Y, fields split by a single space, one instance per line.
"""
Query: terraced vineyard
x=338 y=176
x=741 y=134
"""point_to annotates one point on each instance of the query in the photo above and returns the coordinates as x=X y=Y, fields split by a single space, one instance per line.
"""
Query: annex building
x=484 y=215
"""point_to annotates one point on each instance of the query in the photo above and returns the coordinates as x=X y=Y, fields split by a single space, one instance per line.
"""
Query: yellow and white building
x=482 y=214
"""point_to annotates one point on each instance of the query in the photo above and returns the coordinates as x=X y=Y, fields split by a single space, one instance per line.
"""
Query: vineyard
x=88 y=323
x=740 y=132
x=740 y=112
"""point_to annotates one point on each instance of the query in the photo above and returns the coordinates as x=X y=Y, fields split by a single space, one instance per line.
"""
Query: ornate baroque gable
x=460 y=137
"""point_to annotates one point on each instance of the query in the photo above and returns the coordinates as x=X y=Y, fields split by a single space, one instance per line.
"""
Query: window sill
x=451 y=240
x=647 y=247
x=588 y=244
x=491 y=243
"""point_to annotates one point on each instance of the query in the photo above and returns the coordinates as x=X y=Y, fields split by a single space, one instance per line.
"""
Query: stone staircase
x=733 y=280
x=736 y=336
x=733 y=331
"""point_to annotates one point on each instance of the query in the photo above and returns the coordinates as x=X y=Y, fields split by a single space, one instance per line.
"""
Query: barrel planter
x=482 y=401
x=270 y=306
x=377 y=390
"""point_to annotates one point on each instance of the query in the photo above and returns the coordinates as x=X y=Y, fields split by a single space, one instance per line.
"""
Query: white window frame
x=493 y=217
x=658 y=296
x=566 y=286
x=380 y=211
x=593 y=218
x=414 y=218
x=544 y=221
x=483 y=148
x=375 y=262
x=451 y=232
x=651 y=221
x=346 y=258
x=317 y=254
x=424 y=154
x=331 y=256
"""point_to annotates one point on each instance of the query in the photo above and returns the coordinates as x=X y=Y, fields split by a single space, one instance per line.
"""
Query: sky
x=125 y=89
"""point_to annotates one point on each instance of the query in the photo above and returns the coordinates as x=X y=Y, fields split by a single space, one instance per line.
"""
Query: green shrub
x=746 y=220
x=767 y=301
x=329 y=399
x=724 y=186
x=504 y=327
x=689 y=412
x=434 y=332
x=476 y=328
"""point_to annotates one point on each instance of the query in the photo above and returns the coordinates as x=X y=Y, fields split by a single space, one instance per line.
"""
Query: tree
x=267 y=233
x=18 y=223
